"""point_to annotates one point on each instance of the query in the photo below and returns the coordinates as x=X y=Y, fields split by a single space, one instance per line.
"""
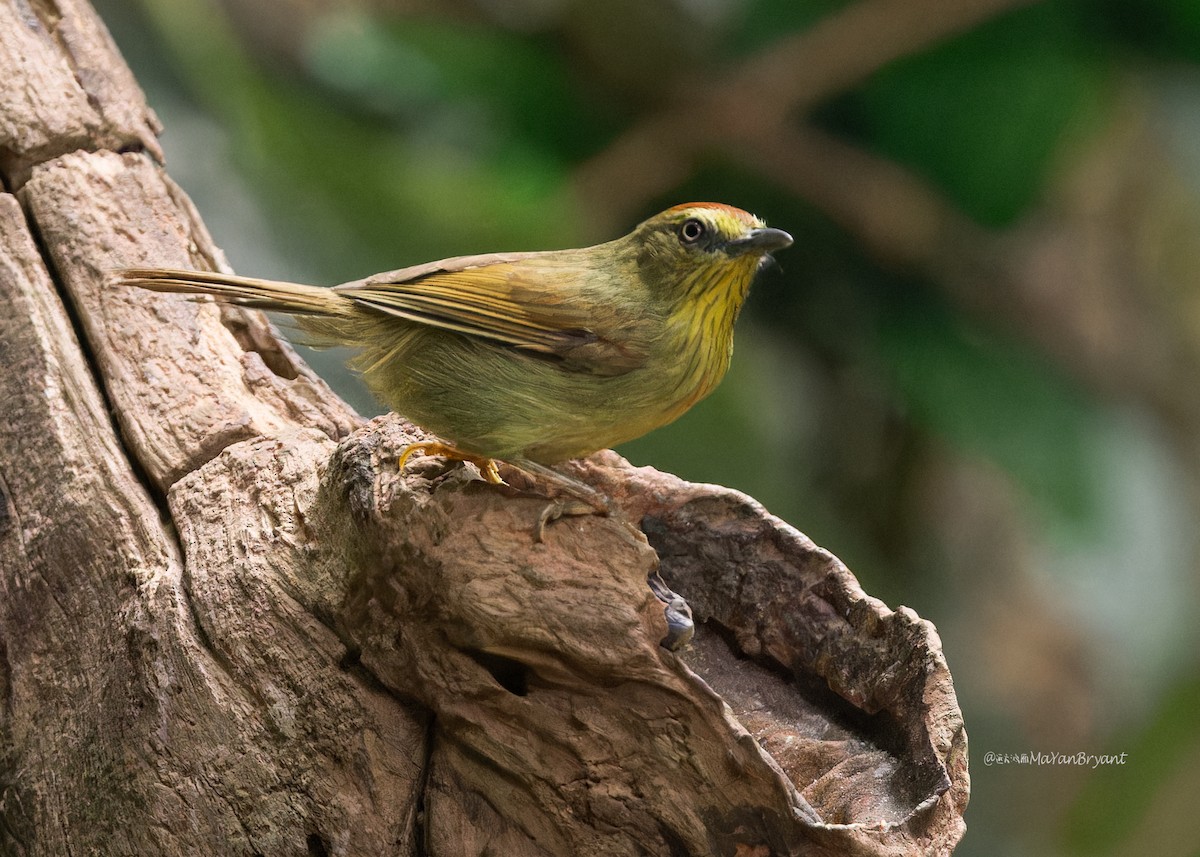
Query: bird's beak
x=764 y=240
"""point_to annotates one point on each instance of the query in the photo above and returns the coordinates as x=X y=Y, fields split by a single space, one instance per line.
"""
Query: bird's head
x=704 y=250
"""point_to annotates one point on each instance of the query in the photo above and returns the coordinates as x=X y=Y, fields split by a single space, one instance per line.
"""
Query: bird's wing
x=528 y=301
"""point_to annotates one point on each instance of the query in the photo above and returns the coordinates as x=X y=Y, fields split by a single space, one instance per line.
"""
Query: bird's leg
x=596 y=500
x=588 y=501
x=681 y=627
x=487 y=466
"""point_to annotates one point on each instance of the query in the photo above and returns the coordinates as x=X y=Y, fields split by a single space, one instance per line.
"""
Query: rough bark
x=229 y=625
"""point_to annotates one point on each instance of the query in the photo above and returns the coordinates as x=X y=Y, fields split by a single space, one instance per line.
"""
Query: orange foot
x=487 y=466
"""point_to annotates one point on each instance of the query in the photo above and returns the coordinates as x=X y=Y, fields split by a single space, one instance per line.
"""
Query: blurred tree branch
x=759 y=98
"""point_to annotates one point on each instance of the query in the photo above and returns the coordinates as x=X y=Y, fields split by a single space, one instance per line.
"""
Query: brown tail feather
x=244 y=291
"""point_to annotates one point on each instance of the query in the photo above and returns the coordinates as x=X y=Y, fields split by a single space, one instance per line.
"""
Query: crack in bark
x=97 y=377
x=421 y=807
x=258 y=341
x=10 y=516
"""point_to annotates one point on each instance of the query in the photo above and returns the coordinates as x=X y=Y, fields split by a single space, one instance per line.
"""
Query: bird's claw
x=561 y=508
x=487 y=466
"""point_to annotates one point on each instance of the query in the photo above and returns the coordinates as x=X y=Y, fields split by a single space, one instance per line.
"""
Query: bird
x=533 y=358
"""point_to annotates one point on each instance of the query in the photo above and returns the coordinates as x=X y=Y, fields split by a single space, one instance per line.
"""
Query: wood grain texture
x=185 y=377
x=125 y=700
x=65 y=87
x=229 y=624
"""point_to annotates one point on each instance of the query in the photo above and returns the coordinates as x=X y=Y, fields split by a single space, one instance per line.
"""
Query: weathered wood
x=179 y=400
x=65 y=87
x=229 y=625
x=132 y=725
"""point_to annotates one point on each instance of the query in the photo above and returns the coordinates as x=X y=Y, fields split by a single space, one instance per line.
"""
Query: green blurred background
x=974 y=378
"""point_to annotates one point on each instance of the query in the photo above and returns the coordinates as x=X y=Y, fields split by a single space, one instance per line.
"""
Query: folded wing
x=532 y=302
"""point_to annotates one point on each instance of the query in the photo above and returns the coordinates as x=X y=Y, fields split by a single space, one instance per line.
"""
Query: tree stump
x=230 y=625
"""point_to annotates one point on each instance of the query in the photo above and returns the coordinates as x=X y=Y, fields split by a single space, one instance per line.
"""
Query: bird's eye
x=692 y=231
